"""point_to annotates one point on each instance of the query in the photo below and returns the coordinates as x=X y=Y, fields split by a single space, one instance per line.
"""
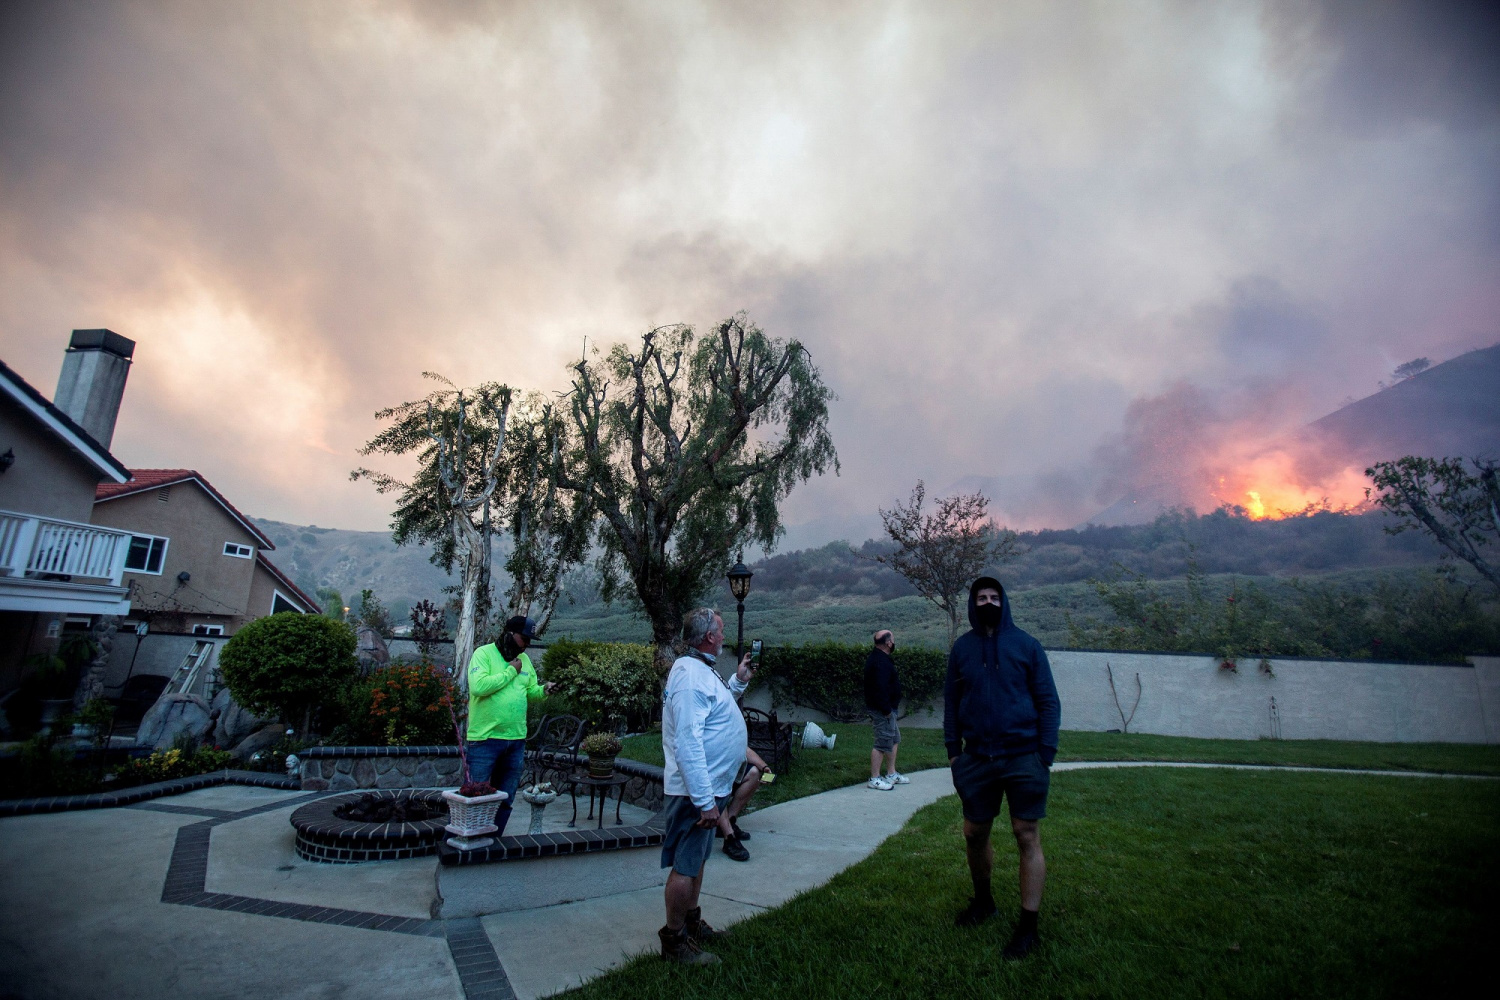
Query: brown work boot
x=699 y=929
x=676 y=946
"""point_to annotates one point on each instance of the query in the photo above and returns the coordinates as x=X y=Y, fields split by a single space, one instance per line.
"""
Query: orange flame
x=1269 y=486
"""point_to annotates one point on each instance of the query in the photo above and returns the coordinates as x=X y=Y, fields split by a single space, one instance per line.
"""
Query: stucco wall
x=159 y=654
x=48 y=477
x=1314 y=699
x=219 y=590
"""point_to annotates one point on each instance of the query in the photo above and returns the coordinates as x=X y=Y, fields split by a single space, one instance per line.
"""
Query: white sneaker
x=897 y=778
x=880 y=785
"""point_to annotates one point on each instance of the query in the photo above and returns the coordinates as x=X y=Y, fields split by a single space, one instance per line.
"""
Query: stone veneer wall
x=343 y=769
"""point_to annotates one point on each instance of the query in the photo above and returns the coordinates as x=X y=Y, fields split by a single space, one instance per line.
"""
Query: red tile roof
x=146 y=480
x=285 y=581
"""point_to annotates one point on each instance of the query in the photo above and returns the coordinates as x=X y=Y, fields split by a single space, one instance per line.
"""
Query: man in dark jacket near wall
x=1001 y=716
x=882 y=695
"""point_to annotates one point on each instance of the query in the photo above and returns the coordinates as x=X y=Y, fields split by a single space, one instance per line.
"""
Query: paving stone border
x=142 y=793
x=480 y=973
x=546 y=845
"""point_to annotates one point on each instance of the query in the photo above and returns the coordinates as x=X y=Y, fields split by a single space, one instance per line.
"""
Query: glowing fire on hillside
x=1272 y=485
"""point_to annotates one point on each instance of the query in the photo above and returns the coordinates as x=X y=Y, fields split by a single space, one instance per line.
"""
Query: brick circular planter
x=322 y=836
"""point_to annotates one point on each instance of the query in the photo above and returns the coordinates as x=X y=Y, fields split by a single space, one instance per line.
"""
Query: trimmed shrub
x=830 y=677
x=604 y=682
x=287 y=664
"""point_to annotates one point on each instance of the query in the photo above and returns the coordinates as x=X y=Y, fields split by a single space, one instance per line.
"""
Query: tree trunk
x=470 y=556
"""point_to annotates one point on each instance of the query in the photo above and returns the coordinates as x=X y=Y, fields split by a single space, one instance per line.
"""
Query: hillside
x=1451 y=409
x=350 y=561
x=838 y=591
x=1043 y=611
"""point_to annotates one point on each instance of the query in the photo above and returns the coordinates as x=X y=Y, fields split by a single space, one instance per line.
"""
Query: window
x=280 y=604
x=238 y=551
x=208 y=629
x=146 y=554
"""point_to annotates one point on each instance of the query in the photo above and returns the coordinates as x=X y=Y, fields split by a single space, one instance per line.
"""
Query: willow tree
x=549 y=528
x=685 y=449
x=458 y=436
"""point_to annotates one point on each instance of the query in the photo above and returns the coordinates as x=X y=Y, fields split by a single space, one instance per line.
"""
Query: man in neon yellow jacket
x=501 y=682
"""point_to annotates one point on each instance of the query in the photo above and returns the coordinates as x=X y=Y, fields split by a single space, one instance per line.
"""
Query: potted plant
x=472 y=808
x=602 y=748
x=471 y=814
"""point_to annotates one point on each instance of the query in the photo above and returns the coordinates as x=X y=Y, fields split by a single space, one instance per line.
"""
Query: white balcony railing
x=32 y=546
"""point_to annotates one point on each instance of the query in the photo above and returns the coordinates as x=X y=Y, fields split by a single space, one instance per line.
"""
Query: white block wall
x=1315 y=699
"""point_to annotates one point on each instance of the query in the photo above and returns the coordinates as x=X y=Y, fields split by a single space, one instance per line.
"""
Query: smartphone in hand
x=755 y=654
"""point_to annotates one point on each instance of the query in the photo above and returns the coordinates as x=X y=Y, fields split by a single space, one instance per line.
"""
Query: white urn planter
x=470 y=818
x=813 y=737
x=540 y=796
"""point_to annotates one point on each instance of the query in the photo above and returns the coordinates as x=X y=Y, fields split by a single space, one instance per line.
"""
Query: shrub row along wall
x=1186 y=695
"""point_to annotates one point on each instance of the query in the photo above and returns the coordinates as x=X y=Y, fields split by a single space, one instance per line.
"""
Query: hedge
x=830 y=677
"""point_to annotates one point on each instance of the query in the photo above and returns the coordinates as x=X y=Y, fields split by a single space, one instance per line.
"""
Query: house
x=56 y=568
x=82 y=539
x=196 y=563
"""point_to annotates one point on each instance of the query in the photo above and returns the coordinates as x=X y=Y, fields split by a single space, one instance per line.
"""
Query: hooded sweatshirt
x=999 y=698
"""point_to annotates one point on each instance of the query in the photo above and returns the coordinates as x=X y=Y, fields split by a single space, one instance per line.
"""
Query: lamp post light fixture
x=739 y=586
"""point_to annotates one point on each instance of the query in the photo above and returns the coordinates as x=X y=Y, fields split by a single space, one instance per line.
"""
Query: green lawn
x=849 y=762
x=1160 y=883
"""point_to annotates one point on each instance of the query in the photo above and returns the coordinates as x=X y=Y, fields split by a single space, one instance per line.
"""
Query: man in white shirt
x=704 y=741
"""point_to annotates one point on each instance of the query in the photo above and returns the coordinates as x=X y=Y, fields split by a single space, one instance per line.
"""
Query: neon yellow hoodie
x=498 y=693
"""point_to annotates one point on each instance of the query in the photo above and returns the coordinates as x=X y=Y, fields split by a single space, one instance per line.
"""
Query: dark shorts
x=983 y=781
x=685 y=845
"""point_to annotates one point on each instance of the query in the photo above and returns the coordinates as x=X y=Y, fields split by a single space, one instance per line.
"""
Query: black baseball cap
x=521 y=625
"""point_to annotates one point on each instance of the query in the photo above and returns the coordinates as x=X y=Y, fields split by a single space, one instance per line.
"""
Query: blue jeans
x=500 y=762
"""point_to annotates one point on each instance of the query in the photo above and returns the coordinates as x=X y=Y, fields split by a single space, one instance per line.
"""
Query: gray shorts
x=685 y=845
x=887 y=733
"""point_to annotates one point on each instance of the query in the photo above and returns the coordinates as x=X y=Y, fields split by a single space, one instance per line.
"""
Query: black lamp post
x=739 y=586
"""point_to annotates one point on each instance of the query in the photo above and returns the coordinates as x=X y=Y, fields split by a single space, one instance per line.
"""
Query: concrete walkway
x=92 y=903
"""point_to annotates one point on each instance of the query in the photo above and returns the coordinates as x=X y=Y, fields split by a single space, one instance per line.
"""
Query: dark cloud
x=994 y=227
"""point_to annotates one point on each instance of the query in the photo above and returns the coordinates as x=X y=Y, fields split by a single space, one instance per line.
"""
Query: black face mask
x=989 y=615
x=509 y=648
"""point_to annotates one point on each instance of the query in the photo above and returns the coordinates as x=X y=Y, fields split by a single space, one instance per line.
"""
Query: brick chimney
x=92 y=382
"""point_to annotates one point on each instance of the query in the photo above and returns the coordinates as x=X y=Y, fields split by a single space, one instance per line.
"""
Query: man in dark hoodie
x=882 y=695
x=1001 y=715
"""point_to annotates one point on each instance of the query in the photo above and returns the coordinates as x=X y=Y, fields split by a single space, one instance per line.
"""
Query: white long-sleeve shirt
x=703 y=736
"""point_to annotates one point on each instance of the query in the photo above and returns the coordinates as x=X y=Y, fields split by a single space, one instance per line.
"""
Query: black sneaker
x=735 y=850
x=975 y=913
x=737 y=831
x=1019 y=946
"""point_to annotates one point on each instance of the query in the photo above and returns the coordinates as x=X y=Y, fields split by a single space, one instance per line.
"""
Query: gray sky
x=1016 y=237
